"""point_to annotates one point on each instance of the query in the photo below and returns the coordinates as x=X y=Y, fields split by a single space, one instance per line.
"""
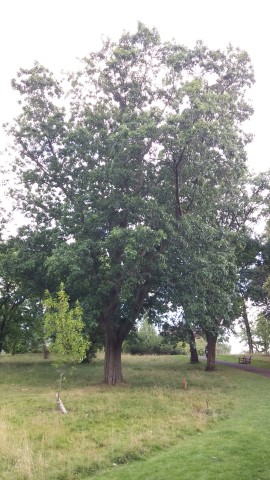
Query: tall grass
x=106 y=427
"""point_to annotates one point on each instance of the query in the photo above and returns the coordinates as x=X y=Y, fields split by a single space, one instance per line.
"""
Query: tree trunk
x=2 y=334
x=13 y=349
x=112 y=363
x=211 y=355
x=45 y=352
x=247 y=327
x=192 y=345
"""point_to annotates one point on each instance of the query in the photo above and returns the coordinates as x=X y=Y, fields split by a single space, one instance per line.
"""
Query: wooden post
x=60 y=404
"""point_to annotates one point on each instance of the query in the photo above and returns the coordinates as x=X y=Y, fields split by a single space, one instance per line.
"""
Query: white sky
x=56 y=32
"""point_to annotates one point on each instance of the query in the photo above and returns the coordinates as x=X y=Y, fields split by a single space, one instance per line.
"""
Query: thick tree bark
x=116 y=330
x=211 y=356
x=192 y=345
x=112 y=363
x=247 y=327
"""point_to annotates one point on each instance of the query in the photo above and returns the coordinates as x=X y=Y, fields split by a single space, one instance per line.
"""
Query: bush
x=147 y=341
x=157 y=349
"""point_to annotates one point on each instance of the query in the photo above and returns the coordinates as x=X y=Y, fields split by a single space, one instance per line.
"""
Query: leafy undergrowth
x=150 y=418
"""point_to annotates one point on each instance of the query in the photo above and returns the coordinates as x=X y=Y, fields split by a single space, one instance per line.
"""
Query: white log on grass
x=60 y=404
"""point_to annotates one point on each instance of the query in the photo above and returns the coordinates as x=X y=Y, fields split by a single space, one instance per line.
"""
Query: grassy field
x=148 y=429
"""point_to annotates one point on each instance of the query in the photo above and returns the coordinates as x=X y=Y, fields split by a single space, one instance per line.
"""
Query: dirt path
x=247 y=368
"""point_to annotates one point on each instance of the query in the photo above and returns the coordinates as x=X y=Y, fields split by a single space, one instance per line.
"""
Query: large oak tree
x=113 y=157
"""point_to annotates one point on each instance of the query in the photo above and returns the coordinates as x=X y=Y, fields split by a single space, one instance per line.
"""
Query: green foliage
x=223 y=348
x=23 y=278
x=140 y=179
x=147 y=341
x=262 y=332
x=266 y=286
x=206 y=282
x=15 y=315
x=24 y=332
x=64 y=325
x=200 y=346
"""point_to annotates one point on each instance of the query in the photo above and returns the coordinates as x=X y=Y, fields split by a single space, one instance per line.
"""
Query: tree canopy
x=136 y=166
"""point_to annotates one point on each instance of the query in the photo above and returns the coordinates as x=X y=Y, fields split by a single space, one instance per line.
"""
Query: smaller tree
x=262 y=333
x=64 y=328
x=223 y=348
x=177 y=329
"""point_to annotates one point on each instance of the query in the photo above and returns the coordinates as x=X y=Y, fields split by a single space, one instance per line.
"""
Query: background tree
x=176 y=329
x=12 y=299
x=23 y=280
x=248 y=258
x=143 y=340
x=205 y=282
x=253 y=285
x=203 y=170
x=262 y=333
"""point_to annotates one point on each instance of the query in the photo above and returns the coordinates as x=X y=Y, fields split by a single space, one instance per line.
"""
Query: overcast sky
x=57 y=32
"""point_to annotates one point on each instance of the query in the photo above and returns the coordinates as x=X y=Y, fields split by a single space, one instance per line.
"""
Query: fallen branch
x=60 y=404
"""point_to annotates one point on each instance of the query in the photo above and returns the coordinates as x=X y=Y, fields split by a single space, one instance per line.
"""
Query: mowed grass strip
x=235 y=449
x=108 y=427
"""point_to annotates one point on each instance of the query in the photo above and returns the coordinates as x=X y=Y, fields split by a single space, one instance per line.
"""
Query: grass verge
x=149 y=429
